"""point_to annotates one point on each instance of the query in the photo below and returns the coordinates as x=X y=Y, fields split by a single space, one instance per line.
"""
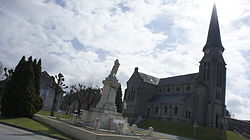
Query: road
x=11 y=133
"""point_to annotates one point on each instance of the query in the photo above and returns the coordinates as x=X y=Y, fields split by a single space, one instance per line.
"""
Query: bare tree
x=69 y=98
x=79 y=96
x=86 y=97
x=1 y=69
x=8 y=73
x=58 y=85
x=92 y=97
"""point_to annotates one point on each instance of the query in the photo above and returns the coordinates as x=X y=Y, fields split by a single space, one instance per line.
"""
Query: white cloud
x=110 y=29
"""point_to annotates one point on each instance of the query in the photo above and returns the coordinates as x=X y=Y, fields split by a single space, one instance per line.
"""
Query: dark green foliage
x=21 y=97
x=118 y=99
x=37 y=72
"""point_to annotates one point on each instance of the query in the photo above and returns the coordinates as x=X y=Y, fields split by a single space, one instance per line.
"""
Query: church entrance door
x=216 y=120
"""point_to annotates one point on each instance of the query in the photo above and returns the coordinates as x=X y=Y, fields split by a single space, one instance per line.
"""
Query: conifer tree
x=118 y=100
x=20 y=98
x=38 y=71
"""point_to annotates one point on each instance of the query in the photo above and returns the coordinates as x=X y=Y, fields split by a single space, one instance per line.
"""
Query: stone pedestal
x=105 y=110
x=107 y=101
x=107 y=121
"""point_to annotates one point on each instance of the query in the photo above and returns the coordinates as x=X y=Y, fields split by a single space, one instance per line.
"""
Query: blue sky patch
x=77 y=45
x=123 y=7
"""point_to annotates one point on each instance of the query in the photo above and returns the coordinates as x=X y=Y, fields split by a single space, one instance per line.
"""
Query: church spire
x=213 y=38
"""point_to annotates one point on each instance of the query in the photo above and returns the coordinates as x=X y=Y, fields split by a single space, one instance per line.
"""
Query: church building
x=196 y=97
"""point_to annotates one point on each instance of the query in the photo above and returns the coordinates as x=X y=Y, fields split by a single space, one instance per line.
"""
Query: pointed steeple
x=213 y=38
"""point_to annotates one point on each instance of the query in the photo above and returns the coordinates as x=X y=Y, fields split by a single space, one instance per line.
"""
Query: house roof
x=46 y=79
x=170 y=98
x=179 y=79
x=149 y=79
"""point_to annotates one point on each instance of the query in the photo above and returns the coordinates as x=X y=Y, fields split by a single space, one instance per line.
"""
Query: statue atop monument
x=115 y=68
x=109 y=89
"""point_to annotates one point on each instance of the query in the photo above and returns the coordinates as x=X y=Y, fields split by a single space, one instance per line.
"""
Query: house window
x=156 y=109
x=165 y=110
x=176 y=110
x=188 y=88
x=44 y=93
x=160 y=90
x=217 y=96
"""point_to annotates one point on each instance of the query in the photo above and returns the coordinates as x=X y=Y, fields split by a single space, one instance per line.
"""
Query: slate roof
x=170 y=98
x=149 y=79
x=179 y=79
x=46 y=79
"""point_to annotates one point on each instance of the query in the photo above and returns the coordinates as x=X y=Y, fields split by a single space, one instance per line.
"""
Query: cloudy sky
x=82 y=38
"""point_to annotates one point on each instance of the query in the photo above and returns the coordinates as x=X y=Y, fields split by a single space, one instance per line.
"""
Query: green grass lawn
x=232 y=136
x=35 y=125
x=47 y=113
x=186 y=130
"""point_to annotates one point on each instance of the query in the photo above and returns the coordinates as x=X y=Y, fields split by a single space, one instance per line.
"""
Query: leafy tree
x=58 y=85
x=118 y=99
x=20 y=97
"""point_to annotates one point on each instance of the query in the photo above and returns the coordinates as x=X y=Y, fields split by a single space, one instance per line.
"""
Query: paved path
x=11 y=133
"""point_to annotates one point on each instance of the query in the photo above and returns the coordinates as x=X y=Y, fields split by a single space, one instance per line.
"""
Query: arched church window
x=178 y=89
x=168 y=90
x=204 y=71
x=165 y=110
x=218 y=96
x=208 y=70
x=156 y=109
x=176 y=110
x=219 y=74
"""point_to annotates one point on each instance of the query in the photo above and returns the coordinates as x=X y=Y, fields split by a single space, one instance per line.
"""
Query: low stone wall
x=80 y=133
x=232 y=123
